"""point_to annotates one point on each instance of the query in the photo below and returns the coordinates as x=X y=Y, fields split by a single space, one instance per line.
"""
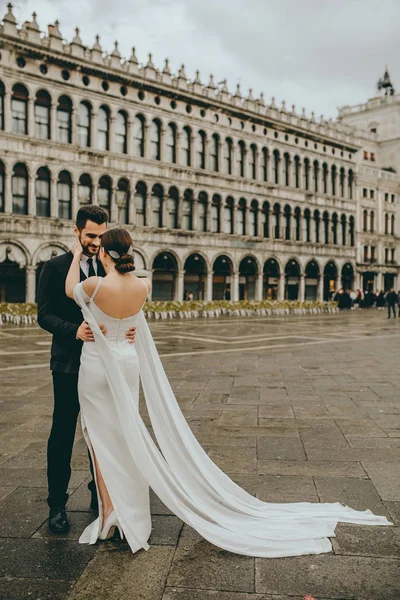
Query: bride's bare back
x=119 y=296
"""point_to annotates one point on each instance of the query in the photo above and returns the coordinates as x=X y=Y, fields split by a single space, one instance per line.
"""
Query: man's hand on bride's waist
x=131 y=334
x=85 y=334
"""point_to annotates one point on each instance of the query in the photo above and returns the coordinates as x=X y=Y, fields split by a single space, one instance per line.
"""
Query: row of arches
x=166 y=207
x=174 y=277
x=170 y=143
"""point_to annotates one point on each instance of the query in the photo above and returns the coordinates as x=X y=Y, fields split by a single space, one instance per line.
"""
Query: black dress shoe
x=94 y=503
x=58 y=520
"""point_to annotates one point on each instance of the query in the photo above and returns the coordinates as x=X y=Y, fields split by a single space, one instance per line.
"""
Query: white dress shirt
x=84 y=264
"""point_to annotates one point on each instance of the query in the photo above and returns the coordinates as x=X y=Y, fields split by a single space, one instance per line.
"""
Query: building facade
x=225 y=196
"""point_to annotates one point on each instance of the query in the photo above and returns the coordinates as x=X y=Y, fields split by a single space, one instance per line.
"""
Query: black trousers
x=61 y=440
x=393 y=308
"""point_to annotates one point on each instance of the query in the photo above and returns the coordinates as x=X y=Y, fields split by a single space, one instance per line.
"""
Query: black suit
x=61 y=316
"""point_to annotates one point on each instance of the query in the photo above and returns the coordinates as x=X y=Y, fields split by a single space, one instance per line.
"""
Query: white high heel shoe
x=109 y=527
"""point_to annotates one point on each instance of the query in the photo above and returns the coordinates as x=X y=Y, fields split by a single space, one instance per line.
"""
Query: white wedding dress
x=181 y=474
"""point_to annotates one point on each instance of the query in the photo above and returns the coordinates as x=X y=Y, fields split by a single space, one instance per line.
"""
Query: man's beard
x=88 y=252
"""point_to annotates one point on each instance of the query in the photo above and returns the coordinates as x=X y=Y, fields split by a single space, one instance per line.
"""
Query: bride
x=126 y=459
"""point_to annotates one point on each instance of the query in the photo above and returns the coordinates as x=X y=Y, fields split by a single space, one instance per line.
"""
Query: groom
x=60 y=316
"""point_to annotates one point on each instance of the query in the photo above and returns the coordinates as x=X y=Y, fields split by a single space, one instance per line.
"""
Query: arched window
x=85 y=190
x=214 y=154
x=155 y=140
x=172 y=208
x=42 y=115
x=317 y=221
x=121 y=132
x=343 y=222
x=325 y=218
x=253 y=218
x=170 y=144
x=2 y=94
x=277 y=221
x=201 y=141
x=64 y=120
x=297 y=171
x=350 y=181
x=64 y=195
x=216 y=214
x=42 y=190
x=342 y=181
x=264 y=164
x=19 y=109
x=334 y=228
x=306 y=173
x=392 y=225
x=228 y=215
x=84 y=124
x=202 y=211
x=372 y=219
x=241 y=158
x=297 y=221
x=140 y=204
x=333 y=179
x=187 y=210
x=138 y=136
x=365 y=220
x=241 y=217
x=315 y=175
x=276 y=166
x=253 y=161
x=288 y=225
x=122 y=197
x=2 y=181
x=103 y=128
x=287 y=168
x=186 y=147
x=325 y=178
x=156 y=206
x=307 y=222
x=104 y=192
x=20 y=190
x=265 y=219
x=351 y=230
x=228 y=150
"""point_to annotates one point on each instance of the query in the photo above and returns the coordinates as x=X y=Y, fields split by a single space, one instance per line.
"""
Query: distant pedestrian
x=391 y=299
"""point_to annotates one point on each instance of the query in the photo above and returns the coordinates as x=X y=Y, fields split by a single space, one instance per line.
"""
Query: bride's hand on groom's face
x=77 y=246
x=131 y=334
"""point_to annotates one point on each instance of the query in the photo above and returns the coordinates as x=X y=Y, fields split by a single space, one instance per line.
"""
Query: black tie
x=92 y=272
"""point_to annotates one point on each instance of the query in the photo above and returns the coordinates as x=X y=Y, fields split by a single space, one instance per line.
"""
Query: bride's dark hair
x=117 y=243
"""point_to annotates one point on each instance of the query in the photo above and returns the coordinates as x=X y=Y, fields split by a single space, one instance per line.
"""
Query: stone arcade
x=225 y=195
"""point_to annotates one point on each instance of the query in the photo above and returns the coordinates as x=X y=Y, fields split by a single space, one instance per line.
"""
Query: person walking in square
x=391 y=300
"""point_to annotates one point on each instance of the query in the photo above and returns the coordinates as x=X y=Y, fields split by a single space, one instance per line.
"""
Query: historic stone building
x=225 y=195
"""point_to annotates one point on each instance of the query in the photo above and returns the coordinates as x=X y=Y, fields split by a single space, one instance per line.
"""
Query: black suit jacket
x=59 y=314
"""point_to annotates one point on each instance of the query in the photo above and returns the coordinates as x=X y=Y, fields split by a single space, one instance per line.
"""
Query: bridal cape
x=182 y=475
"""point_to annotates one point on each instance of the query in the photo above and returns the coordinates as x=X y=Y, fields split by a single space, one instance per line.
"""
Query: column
x=93 y=124
x=164 y=209
x=379 y=282
x=74 y=200
x=235 y=286
x=208 y=214
x=31 y=118
x=8 y=207
x=132 y=205
x=281 y=291
x=234 y=216
x=74 y=127
x=398 y=281
x=148 y=207
x=194 y=211
x=53 y=121
x=129 y=136
x=111 y=134
x=113 y=206
x=357 y=280
x=180 y=210
x=145 y=140
x=247 y=219
x=338 y=283
x=259 y=286
x=162 y=138
x=302 y=288
x=30 y=283
x=209 y=287
x=53 y=198
x=32 y=192
x=179 y=286
x=260 y=232
x=95 y=199
x=7 y=112
x=320 y=291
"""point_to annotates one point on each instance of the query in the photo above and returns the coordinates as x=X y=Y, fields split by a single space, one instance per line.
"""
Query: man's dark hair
x=93 y=213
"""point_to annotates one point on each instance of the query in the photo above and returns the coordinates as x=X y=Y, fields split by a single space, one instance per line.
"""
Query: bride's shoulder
x=143 y=280
x=89 y=285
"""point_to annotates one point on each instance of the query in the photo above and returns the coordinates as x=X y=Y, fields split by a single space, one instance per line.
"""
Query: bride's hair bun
x=117 y=243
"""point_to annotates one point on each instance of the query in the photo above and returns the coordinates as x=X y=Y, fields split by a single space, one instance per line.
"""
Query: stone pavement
x=294 y=409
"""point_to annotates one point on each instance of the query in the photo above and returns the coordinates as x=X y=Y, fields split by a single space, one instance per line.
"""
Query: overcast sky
x=320 y=54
